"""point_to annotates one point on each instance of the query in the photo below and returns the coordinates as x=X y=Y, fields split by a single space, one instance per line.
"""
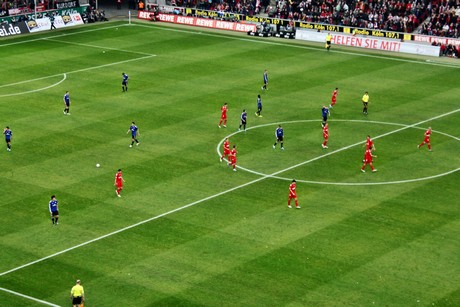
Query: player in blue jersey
x=243 y=119
x=8 y=137
x=124 y=82
x=325 y=113
x=53 y=207
x=259 y=106
x=264 y=87
x=279 y=134
x=66 y=103
x=134 y=133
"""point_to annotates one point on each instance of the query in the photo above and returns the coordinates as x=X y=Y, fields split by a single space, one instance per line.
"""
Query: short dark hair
x=53 y=196
x=119 y=169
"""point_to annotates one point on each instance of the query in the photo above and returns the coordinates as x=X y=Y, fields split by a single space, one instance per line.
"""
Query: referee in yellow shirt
x=77 y=295
x=328 y=41
x=365 y=102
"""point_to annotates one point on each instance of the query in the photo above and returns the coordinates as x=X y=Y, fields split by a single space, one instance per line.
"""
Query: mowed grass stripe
x=179 y=134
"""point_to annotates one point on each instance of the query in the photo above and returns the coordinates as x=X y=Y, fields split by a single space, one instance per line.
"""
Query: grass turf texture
x=383 y=245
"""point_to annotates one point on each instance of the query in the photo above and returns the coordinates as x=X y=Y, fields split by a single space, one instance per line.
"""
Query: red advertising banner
x=437 y=39
x=200 y=22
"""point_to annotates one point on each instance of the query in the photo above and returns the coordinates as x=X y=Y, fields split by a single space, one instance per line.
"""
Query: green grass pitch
x=188 y=231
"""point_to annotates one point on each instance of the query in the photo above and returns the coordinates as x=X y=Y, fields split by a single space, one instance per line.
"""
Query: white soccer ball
x=98 y=165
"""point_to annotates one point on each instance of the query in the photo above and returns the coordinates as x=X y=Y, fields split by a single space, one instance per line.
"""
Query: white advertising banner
x=368 y=42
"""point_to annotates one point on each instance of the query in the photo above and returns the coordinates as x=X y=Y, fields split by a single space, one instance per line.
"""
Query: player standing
x=53 y=207
x=279 y=134
x=119 y=182
x=66 y=103
x=325 y=135
x=8 y=137
x=368 y=160
x=226 y=148
x=264 y=87
x=223 y=116
x=427 y=139
x=134 y=133
x=124 y=82
x=259 y=106
x=328 y=41
x=232 y=158
x=325 y=114
x=243 y=118
x=334 y=98
x=293 y=194
x=365 y=101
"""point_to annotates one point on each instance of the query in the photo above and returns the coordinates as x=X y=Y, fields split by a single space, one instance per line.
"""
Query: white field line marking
x=29 y=297
x=60 y=35
x=317 y=158
x=36 y=90
x=79 y=70
x=98 y=47
x=203 y=200
x=353 y=53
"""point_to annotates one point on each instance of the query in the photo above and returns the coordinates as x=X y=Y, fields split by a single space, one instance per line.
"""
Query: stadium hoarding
x=44 y=24
x=369 y=42
x=12 y=30
x=66 y=11
x=199 y=22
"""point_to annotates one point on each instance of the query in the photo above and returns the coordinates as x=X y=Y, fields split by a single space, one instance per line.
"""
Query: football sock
x=282 y=144
x=132 y=142
x=274 y=144
x=56 y=220
x=136 y=140
x=429 y=146
x=52 y=220
x=296 y=203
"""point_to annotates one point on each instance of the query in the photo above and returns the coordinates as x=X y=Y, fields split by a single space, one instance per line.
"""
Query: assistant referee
x=77 y=294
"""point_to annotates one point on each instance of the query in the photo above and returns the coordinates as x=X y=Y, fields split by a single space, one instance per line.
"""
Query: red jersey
x=427 y=134
x=334 y=96
x=326 y=131
x=118 y=178
x=224 y=111
x=369 y=144
x=368 y=156
x=292 y=192
x=226 y=146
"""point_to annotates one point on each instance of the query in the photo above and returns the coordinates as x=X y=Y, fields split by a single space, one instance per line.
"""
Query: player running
x=426 y=140
x=325 y=114
x=119 y=182
x=8 y=137
x=325 y=135
x=232 y=158
x=368 y=160
x=134 y=133
x=259 y=106
x=334 y=98
x=226 y=149
x=124 y=82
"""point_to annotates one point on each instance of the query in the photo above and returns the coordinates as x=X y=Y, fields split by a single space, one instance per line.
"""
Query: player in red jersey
x=223 y=117
x=226 y=148
x=369 y=143
x=368 y=160
x=293 y=194
x=232 y=158
x=334 y=97
x=119 y=182
x=325 y=135
x=427 y=139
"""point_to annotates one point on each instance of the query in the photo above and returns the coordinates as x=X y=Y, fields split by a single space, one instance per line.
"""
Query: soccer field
x=188 y=231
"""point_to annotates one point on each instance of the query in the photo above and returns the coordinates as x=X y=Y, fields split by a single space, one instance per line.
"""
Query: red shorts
x=326 y=136
x=223 y=116
x=427 y=140
x=119 y=184
x=232 y=160
x=291 y=196
x=226 y=152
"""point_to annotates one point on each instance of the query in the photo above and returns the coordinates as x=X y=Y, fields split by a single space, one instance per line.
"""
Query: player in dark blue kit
x=325 y=113
x=264 y=87
x=134 y=133
x=279 y=133
x=259 y=106
x=124 y=82
x=243 y=118
x=8 y=136
x=53 y=207
x=66 y=103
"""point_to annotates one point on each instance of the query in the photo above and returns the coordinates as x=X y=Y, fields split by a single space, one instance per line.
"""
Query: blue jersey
x=325 y=112
x=259 y=102
x=243 y=117
x=265 y=77
x=67 y=99
x=8 y=133
x=53 y=205
x=125 y=79
x=279 y=132
x=133 y=129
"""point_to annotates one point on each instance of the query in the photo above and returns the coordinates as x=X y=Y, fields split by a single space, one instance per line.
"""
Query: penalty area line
x=28 y=297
